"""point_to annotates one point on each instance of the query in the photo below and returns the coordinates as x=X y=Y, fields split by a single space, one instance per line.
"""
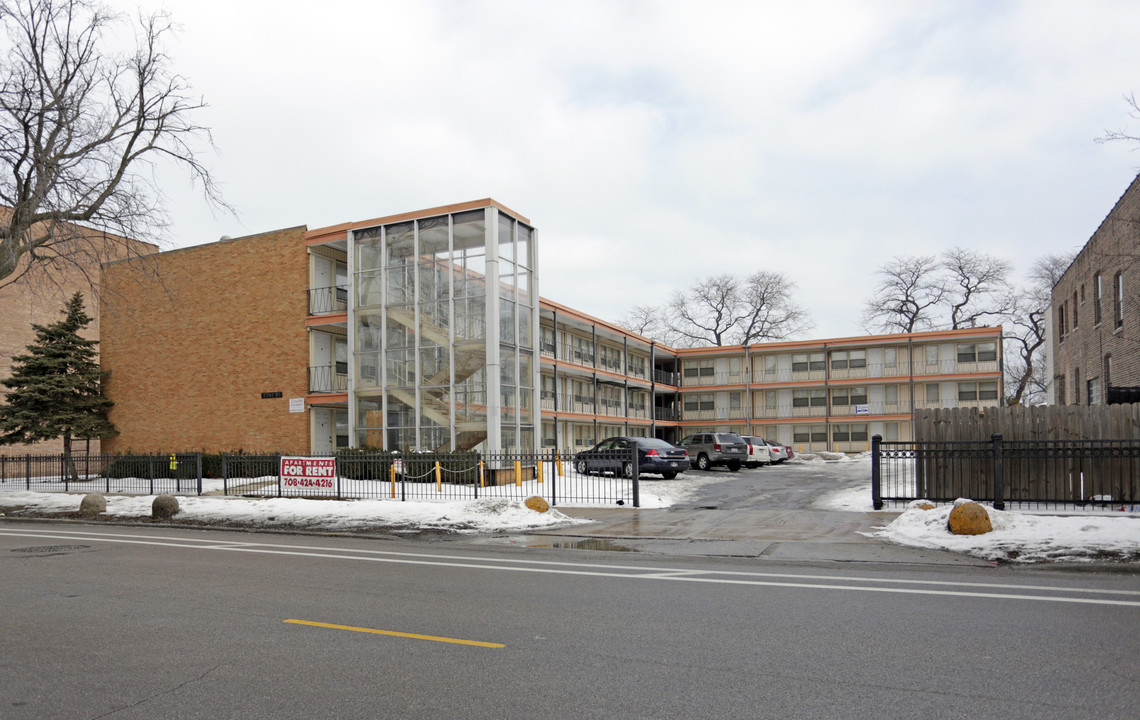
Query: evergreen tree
x=55 y=390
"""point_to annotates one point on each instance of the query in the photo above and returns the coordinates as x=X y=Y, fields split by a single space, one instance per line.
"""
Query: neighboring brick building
x=1096 y=310
x=40 y=298
x=208 y=349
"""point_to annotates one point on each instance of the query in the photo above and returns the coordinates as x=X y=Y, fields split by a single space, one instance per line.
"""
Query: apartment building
x=599 y=380
x=1096 y=311
x=425 y=331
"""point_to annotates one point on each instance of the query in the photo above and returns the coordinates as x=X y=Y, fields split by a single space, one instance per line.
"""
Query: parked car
x=707 y=450
x=654 y=457
x=758 y=453
x=779 y=453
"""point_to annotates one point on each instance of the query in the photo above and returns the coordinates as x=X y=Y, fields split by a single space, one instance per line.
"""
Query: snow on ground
x=1019 y=536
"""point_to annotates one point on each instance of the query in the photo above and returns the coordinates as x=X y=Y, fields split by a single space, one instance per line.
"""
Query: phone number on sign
x=308 y=482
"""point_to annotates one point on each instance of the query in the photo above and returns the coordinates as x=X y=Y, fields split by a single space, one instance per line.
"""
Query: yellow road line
x=393 y=633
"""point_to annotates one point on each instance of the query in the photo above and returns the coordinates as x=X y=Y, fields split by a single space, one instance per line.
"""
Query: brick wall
x=1079 y=352
x=39 y=298
x=193 y=337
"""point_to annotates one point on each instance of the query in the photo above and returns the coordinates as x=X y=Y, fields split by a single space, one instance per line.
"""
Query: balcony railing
x=323 y=301
x=328 y=379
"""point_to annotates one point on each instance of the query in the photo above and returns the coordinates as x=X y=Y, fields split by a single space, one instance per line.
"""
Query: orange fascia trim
x=326 y=398
x=325 y=319
x=338 y=232
x=838 y=343
x=563 y=310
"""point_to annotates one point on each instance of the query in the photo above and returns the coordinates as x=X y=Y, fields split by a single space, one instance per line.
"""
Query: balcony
x=328 y=378
x=727 y=378
x=326 y=300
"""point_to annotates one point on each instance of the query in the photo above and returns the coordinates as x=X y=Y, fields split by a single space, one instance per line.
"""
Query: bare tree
x=909 y=291
x=1025 y=332
x=977 y=287
x=1127 y=136
x=82 y=127
x=725 y=310
x=643 y=320
x=772 y=313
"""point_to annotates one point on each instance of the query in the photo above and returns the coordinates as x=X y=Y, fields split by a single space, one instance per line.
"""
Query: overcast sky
x=655 y=143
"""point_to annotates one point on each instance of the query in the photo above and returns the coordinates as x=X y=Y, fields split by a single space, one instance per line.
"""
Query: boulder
x=969 y=519
x=92 y=504
x=164 y=507
x=537 y=504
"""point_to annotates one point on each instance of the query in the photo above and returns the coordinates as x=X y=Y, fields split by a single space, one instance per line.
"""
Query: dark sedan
x=654 y=457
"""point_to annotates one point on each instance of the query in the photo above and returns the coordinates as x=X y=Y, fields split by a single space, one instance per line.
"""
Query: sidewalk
x=798 y=534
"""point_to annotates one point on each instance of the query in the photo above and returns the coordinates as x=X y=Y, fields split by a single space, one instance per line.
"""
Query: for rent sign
x=308 y=472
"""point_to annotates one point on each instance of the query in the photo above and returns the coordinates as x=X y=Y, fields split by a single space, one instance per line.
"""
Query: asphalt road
x=783 y=486
x=127 y=622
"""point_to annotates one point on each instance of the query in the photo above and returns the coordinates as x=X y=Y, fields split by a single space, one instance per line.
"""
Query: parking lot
x=786 y=486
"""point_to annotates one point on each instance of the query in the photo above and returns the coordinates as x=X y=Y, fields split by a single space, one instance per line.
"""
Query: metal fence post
x=876 y=473
x=198 y=457
x=999 y=473
x=636 y=477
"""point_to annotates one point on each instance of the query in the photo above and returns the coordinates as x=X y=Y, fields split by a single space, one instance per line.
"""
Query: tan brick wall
x=192 y=342
x=39 y=298
x=1079 y=355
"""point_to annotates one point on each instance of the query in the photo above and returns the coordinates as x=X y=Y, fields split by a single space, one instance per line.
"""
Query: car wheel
x=627 y=470
x=583 y=468
x=752 y=466
x=669 y=475
x=734 y=466
x=703 y=462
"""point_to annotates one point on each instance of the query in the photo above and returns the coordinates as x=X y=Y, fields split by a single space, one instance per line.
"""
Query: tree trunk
x=69 y=471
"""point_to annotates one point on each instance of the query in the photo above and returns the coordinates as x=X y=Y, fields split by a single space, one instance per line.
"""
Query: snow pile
x=1021 y=538
x=483 y=515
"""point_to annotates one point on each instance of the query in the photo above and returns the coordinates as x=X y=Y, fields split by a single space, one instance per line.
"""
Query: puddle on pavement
x=588 y=544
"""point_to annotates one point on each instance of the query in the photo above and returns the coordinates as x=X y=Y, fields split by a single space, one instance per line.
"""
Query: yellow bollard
x=518 y=473
x=558 y=464
x=173 y=462
x=392 y=473
x=481 y=479
x=438 y=478
x=539 y=471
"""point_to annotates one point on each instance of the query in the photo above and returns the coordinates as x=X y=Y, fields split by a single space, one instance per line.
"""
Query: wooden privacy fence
x=1045 y=423
x=1068 y=455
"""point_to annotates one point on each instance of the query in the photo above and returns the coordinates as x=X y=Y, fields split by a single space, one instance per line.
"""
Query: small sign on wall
x=296 y=405
x=862 y=410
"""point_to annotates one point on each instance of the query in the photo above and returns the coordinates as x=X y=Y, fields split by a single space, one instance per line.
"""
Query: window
x=1093 y=392
x=853 y=432
x=698 y=368
x=932 y=394
x=844 y=359
x=931 y=354
x=1061 y=321
x=812 y=398
x=1097 y=294
x=890 y=357
x=1075 y=310
x=1060 y=389
x=1118 y=299
x=1107 y=371
x=770 y=398
x=804 y=362
x=1077 y=386
x=891 y=394
x=699 y=402
x=975 y=391
x=809 y=433
x=849 y=396
x=979 y=352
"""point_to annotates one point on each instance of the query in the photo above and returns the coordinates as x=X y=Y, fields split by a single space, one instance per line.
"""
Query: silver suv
x=709 y=449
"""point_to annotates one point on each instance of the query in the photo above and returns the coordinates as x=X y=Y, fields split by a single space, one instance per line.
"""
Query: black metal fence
x=1028 y=473
x=350 y=474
